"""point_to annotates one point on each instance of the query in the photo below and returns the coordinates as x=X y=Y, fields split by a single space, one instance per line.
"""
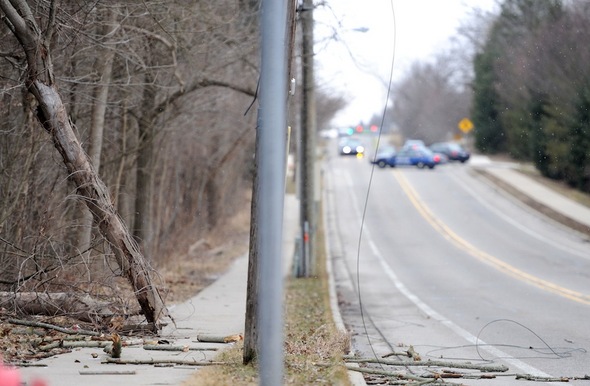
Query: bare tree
x=52 y=115
x=327 y=105
x=428 y=104
x=176 y=149
x=103 y=69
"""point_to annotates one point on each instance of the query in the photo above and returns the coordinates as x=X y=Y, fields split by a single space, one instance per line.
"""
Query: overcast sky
x=358 y=64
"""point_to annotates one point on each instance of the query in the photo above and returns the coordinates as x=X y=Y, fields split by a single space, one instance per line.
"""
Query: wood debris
x=220 y=339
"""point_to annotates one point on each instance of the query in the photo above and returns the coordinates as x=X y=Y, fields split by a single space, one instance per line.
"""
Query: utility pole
x=264 y=299
x=307 y=186
x=270 y=151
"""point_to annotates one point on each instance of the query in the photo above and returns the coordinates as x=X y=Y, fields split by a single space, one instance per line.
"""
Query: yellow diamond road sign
x=465 y=125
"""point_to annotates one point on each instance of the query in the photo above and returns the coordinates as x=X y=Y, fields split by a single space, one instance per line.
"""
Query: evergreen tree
x=538 y=142
x=500 y=106
x=489 y=133
x=579 y=159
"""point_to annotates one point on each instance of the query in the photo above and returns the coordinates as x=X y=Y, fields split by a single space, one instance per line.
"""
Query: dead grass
x=233 y=372
x=187 y=273
x=313 y=347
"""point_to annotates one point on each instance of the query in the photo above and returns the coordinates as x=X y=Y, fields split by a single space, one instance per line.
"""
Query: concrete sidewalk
x=217 y=310
x=550 y=202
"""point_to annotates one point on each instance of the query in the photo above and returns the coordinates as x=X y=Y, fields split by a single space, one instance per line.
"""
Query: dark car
x=453 y=151
x=351 y=146
x=420 y=157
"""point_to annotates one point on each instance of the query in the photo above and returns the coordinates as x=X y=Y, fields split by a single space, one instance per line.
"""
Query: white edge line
x=435 y=315
x=516 y=224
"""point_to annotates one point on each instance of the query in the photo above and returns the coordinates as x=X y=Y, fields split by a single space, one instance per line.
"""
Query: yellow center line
x=444 y=230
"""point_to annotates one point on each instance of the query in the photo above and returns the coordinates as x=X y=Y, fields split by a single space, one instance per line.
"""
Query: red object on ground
x=9 y=376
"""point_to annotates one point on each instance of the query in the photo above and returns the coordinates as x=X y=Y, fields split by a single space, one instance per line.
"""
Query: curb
x=356 y=378
x=559 y=217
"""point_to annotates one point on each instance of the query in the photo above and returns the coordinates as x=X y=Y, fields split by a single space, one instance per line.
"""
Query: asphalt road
x=442 y=261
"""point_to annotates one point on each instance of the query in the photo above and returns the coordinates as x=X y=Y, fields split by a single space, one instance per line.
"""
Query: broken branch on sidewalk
x=220 y=338
x=160 y=361
x=162 y=347
x=108 y=372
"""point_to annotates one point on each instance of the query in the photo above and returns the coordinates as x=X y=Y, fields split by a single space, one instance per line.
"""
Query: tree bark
x=250 y=326
x=103 y=67
x=53 y=116
x=144 y=182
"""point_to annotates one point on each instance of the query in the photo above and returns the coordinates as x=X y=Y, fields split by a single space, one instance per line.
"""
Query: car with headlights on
x=351 y=146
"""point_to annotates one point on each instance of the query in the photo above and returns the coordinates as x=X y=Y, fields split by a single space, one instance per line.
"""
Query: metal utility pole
x=308 y=210
x=270 y=192
x=265 y=285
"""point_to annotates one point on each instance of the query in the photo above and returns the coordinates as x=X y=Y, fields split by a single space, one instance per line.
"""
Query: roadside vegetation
x=313 y=346
x=159 y=97
x=531 y=88
x=520 y=74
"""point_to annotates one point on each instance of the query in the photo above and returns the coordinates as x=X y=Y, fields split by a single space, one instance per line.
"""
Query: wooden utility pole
x=307 y=185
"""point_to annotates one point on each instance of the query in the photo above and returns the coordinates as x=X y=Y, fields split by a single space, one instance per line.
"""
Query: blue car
x=420 y=157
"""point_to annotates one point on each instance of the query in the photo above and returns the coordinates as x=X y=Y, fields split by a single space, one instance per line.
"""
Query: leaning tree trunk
x=52 y=114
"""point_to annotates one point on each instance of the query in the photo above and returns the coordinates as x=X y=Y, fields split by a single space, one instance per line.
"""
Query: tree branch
x=457 y=365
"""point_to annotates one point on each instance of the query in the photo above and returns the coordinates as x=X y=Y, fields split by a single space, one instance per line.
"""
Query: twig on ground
x=69 y=331
x=160 y=361
x=28 y=364
x=96 y=343
x=107 y=372
x=176 y=348
x=535 y=378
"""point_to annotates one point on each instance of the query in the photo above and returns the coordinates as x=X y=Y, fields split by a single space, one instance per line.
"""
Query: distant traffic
x=416 y=153
x=382 y=151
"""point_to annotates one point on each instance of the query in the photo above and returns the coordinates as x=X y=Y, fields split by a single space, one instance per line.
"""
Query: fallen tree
x=76 y=305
